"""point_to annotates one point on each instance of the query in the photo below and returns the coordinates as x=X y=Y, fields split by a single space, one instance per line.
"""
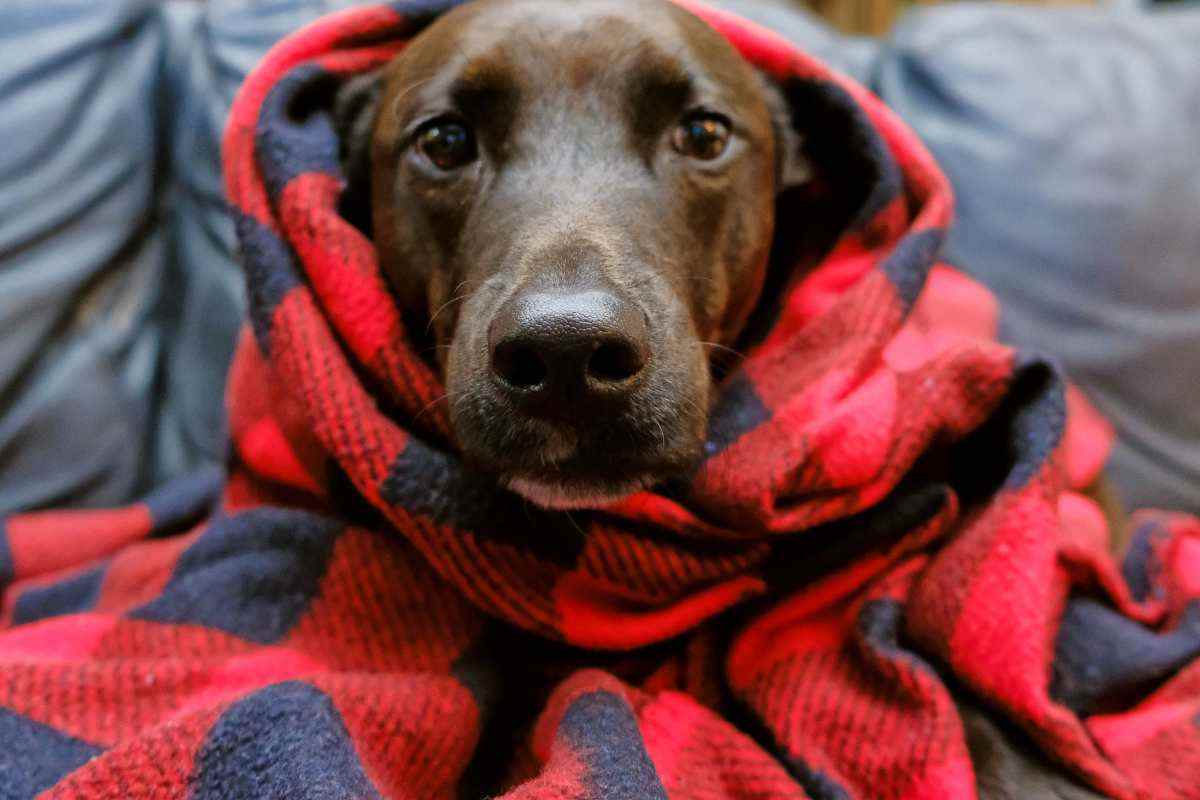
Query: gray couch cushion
x=1071 y=140
x=214 y=45
x=119 y=294
x=80 y=250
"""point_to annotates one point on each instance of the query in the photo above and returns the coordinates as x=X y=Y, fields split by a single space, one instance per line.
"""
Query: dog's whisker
x=575 y=524
x=525 y=508
x=444 y=306
x=692 y=404
x=661 y=432
x=413 y=87
x=724 y=349
x=430 y=405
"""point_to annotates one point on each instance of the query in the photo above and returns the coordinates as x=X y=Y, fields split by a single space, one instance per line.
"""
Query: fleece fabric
x=888 y=517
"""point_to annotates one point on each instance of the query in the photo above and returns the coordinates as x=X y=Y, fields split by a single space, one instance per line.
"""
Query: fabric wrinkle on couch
x=214 y=45
x=119 y=296
x=80 y=249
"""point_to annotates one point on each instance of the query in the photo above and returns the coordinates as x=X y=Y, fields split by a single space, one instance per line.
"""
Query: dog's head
x=577 y=201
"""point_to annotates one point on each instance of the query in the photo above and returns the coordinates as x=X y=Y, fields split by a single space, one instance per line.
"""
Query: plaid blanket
x=888 y=519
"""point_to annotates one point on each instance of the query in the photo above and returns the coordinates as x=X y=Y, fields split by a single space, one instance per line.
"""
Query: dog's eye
x=703 y=136
x=449 y=144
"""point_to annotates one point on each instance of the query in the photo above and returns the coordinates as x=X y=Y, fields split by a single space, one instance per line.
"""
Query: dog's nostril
x=613 y=362
x=519 y=365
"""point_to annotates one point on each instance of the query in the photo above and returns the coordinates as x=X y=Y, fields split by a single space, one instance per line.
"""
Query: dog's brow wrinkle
x=675 y=82
x=481 y=88
x=398 y=100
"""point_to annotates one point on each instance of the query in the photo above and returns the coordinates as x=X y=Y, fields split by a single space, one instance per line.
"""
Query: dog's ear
x=821 y=181
x=355 y=108
x=793 y=169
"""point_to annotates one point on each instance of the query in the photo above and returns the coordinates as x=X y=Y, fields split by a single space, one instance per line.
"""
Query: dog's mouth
x=568 y=471
x=564 y=494
x=560 y=466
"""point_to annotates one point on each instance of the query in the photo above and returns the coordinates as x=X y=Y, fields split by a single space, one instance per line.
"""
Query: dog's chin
x=569 y=495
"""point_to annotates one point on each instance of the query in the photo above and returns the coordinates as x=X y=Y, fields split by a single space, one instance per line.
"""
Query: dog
x=578 y=201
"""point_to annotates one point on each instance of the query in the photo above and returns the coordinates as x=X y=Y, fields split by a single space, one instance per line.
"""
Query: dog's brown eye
x=702 y=136
x=447 y=143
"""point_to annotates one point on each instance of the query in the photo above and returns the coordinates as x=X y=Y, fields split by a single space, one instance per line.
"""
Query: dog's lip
x=562 y=487
x=572 y=468
x=577 y=471
x=567 y=495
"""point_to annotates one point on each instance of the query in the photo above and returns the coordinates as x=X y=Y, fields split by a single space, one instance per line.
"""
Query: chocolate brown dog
x=578 y=200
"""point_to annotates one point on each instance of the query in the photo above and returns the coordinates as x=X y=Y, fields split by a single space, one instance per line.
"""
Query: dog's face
x=578 y=199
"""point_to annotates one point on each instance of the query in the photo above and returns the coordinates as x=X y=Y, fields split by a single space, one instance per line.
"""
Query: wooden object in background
x=876 y=17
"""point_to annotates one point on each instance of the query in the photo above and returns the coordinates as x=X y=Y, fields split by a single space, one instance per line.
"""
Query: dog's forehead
x=532 y=46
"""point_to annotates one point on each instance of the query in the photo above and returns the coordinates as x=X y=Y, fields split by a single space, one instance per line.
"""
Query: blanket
x=887 y=526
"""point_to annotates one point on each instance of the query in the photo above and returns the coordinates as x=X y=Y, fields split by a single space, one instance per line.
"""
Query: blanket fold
x=888 y=527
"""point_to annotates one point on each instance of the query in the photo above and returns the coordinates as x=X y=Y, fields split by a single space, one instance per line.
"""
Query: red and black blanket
x=887 y=524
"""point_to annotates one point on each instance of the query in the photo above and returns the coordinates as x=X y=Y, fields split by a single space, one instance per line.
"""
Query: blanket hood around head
x=887 y=522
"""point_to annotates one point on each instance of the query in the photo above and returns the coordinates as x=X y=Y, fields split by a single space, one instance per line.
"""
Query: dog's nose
x=566 y=347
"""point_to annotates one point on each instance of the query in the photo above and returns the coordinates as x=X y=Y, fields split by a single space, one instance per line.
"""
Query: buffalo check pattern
x=888 y=516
